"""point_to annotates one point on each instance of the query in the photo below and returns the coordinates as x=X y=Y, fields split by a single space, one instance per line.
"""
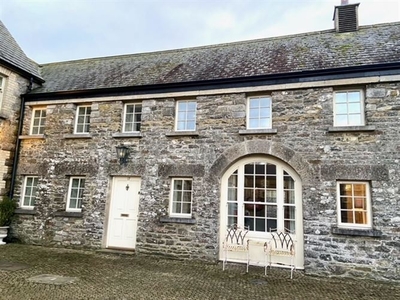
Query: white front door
x=122 y=222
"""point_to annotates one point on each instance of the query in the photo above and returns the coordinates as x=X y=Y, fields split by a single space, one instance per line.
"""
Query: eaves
x=363 y=71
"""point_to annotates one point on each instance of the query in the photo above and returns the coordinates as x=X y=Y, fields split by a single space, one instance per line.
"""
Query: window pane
x=355 y=120
x=253 y=123
x=232 y=209
x=264 y=123
x=248 y=181
x=232 y=194
x=181 y=106
x=340 y=97
x=232 y=181
x=260 y=225
x=176 y=207
x=187 y=185
x=254 y=113
x=360 y=217
x=254 y=103
x=353 y=97
x=181 y=126
x=186 y=208
x=341 y=120
x=129 y=109
x=341 y=108
x=354 y=108
x=289 y=212
x=72 y=203
x=289 y=197
x=347 y=216
x=191 y=126
x=346 y=203
x=272 y=211
x=249 y=169
x=178 y=184
x=191 y=106
x=265 y=102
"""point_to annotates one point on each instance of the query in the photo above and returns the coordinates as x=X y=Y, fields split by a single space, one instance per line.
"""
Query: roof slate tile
x=375 y=44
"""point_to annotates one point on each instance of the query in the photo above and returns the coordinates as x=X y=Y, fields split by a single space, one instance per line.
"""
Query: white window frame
x=136 y=123
x=85 y=123
x=172 y=200
x=41 y=117
x=267 y=109
x=368 y=210
x=81 y=188
x=2 y=89
x=361 y=103
x=32 y=194
x=185 y=120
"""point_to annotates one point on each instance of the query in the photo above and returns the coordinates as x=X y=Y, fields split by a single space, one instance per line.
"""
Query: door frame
x=109 y=207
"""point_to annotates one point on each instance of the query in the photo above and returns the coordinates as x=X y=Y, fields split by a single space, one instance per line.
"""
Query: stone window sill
x=177 y=220
x=68 y=214
x=32 y=136
x=182 y=133
x=351 y=128
x=78 y=136
x=356 y=232
x=127 y=135
x=25 y=211
x=258 y=131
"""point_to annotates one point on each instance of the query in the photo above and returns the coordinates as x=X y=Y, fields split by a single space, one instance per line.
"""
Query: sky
x=59 y=30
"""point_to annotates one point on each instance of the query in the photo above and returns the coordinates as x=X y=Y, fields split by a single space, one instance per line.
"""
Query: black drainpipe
x=18 y=141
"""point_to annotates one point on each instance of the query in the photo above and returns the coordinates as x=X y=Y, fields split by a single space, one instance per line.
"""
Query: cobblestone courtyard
x=110 y=276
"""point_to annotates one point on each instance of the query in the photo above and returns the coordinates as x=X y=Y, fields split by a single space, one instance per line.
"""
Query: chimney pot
x=345 y=2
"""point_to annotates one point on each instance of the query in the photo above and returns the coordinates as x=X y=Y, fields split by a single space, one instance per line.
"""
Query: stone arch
x=262 y=147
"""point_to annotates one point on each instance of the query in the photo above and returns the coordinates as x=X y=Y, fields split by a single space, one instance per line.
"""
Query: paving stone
x=112 y=276
x=52 y=279
x=12 y=266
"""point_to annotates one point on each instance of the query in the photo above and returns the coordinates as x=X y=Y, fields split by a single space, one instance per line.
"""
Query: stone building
x=298 y=132
x=17 y=74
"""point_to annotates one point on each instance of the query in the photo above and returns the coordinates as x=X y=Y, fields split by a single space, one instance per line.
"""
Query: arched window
x=263 y=193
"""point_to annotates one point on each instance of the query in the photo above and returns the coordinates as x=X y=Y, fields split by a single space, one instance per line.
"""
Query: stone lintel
x=354 y=172
x=165 y=170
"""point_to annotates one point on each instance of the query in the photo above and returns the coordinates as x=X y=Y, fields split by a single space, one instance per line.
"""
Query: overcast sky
x=58 y=30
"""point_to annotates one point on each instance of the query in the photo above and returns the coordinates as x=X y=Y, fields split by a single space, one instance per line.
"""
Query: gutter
x=269 y=79
x=17 y=146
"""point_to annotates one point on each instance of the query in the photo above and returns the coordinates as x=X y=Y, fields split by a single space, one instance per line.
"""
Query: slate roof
x=375 y=44
x=11 y=53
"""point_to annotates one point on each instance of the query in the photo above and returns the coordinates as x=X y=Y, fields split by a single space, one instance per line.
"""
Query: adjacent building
x=18 y=74
x=160 y=152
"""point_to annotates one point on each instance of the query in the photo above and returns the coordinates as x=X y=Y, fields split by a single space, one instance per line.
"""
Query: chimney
x=346 y=17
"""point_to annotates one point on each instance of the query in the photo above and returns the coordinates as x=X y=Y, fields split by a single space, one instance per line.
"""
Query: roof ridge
x=185 y=49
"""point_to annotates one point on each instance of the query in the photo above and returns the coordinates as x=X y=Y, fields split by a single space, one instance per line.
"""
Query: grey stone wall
x=302 y=118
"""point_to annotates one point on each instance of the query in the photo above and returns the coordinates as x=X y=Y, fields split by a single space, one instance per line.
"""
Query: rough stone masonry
x=301 y=117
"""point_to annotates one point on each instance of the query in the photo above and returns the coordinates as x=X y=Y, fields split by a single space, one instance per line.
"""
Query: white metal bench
x=280 y=245
x=235 y=242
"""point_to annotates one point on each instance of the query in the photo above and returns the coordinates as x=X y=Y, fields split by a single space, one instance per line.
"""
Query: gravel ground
x=113 y=276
